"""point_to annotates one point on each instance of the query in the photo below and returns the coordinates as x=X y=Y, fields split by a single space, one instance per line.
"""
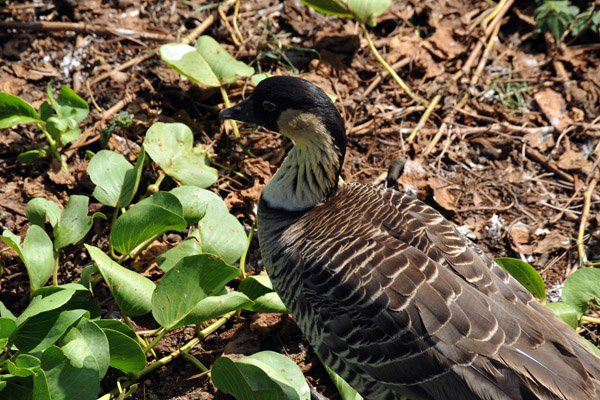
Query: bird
x=385 y=289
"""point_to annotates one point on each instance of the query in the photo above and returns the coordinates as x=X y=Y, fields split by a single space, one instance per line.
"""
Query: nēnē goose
x=390 y=295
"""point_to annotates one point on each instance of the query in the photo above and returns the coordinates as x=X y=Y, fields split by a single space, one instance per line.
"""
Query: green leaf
x=13 y=241
x=74 y=222
x=222 y=234
x=170 y=145
x=525 y=274
x=39 y=208
x=8 y=327
x=215 y=306
x=132 y=180
x=195 y=202
x=45 y=111
x=86 y=345
x=24 y=365
x=262 y=375
x=188 y=62
x=14 y=111
x=56 y=127
x=582 y=289
x=329 y=7
x=107 y=171
x=168 y=259
x=17 y=390
x=365 y=11
x=346 y=391
x=39 y=256
x=43 y=330
x=260 y=290
x=114 y=325
x=555 y=17
x=70 y=106
x=69 y=136
x=182 y=287
x=566 y=312
x=147 y=219
x=31 y=156
x=40 y=304
x=66 y=381
x=125 y=352
x=132 y=291
x=208 y=63
x=226 y=68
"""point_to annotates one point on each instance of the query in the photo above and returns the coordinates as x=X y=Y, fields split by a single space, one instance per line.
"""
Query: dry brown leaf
x=553 y=241
x=574 y=160
x=539 y=141
x=441 y=194
x=554 y=108
x=520 y=233
x=443 y=38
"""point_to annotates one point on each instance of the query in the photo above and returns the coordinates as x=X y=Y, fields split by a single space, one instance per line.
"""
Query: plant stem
x=157 y=339
x=159 y=363
x=591 y=320
x=236 y=132
x=245 y=254
x=391 y=71
x=424 y=117
x=587 y=201
x=55 y=271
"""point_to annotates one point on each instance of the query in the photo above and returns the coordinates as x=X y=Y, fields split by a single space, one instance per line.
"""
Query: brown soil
x=517 y=151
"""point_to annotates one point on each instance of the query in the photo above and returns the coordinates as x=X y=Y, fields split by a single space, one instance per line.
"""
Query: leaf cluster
x=57 y=117
x=562 y=18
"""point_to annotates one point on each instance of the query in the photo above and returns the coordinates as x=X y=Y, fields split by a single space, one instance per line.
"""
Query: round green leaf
x=525 y=274
x=222 y=234
x=39 y=256
x=8 y=326
x=31 y=156
x=115 y=325
x=56 y=127
x=107 y=170
x=171 y=147
x=66 y=381
x=40 y=304
x=188 y=62
x=147 y=219
x=86 y=345
x=225 y=67
x=125 y=352
x=365 y=11
x=39 y=208
x=258 y=375
x=260 y=290
x=566 y=312
x=132 y=291
x=582 y=288
x=183 y=286
x=328 y=7
x=169 y=258
x=195 y=202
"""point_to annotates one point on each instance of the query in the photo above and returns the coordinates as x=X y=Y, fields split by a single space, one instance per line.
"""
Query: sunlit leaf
x=525 y=274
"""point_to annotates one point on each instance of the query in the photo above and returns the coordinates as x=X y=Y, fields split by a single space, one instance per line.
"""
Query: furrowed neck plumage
x=309 y=174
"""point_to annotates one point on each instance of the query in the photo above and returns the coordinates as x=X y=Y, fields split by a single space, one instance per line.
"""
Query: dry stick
x=550 y=165
x=384 y=74
x=587 y=202
x=84 y=28
x=485 y=56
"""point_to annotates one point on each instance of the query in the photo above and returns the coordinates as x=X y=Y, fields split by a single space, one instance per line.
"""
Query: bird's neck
x=310 y=172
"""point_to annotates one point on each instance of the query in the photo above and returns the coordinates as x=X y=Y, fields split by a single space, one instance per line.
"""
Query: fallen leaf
x=551 y=242
x=554 y=108
x=574 y=160
x=441 y=194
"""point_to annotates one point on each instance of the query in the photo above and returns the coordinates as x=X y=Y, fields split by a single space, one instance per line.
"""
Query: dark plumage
x=390 y=295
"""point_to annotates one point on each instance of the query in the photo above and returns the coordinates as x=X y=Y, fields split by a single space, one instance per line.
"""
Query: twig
x=84 y=28
x=550 y=165
x=587 y=200
x=133 y=62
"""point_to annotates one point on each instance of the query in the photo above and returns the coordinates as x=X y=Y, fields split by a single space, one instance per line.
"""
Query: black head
x=276 y=94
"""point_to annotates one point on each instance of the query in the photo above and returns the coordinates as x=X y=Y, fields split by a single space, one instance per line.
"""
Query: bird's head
x=295 y=108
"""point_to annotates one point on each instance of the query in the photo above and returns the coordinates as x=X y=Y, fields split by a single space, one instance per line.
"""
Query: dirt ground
x=508 y=154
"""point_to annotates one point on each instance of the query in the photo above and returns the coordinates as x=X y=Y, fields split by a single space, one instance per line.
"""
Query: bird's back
x=398 y=303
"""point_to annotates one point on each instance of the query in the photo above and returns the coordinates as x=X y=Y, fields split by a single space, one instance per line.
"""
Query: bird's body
x=386 y=290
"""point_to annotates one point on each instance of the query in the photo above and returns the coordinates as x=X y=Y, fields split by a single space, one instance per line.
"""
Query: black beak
x=243 y=111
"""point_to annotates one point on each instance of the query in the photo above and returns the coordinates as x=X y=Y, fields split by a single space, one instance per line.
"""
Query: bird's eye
x=267 y=105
